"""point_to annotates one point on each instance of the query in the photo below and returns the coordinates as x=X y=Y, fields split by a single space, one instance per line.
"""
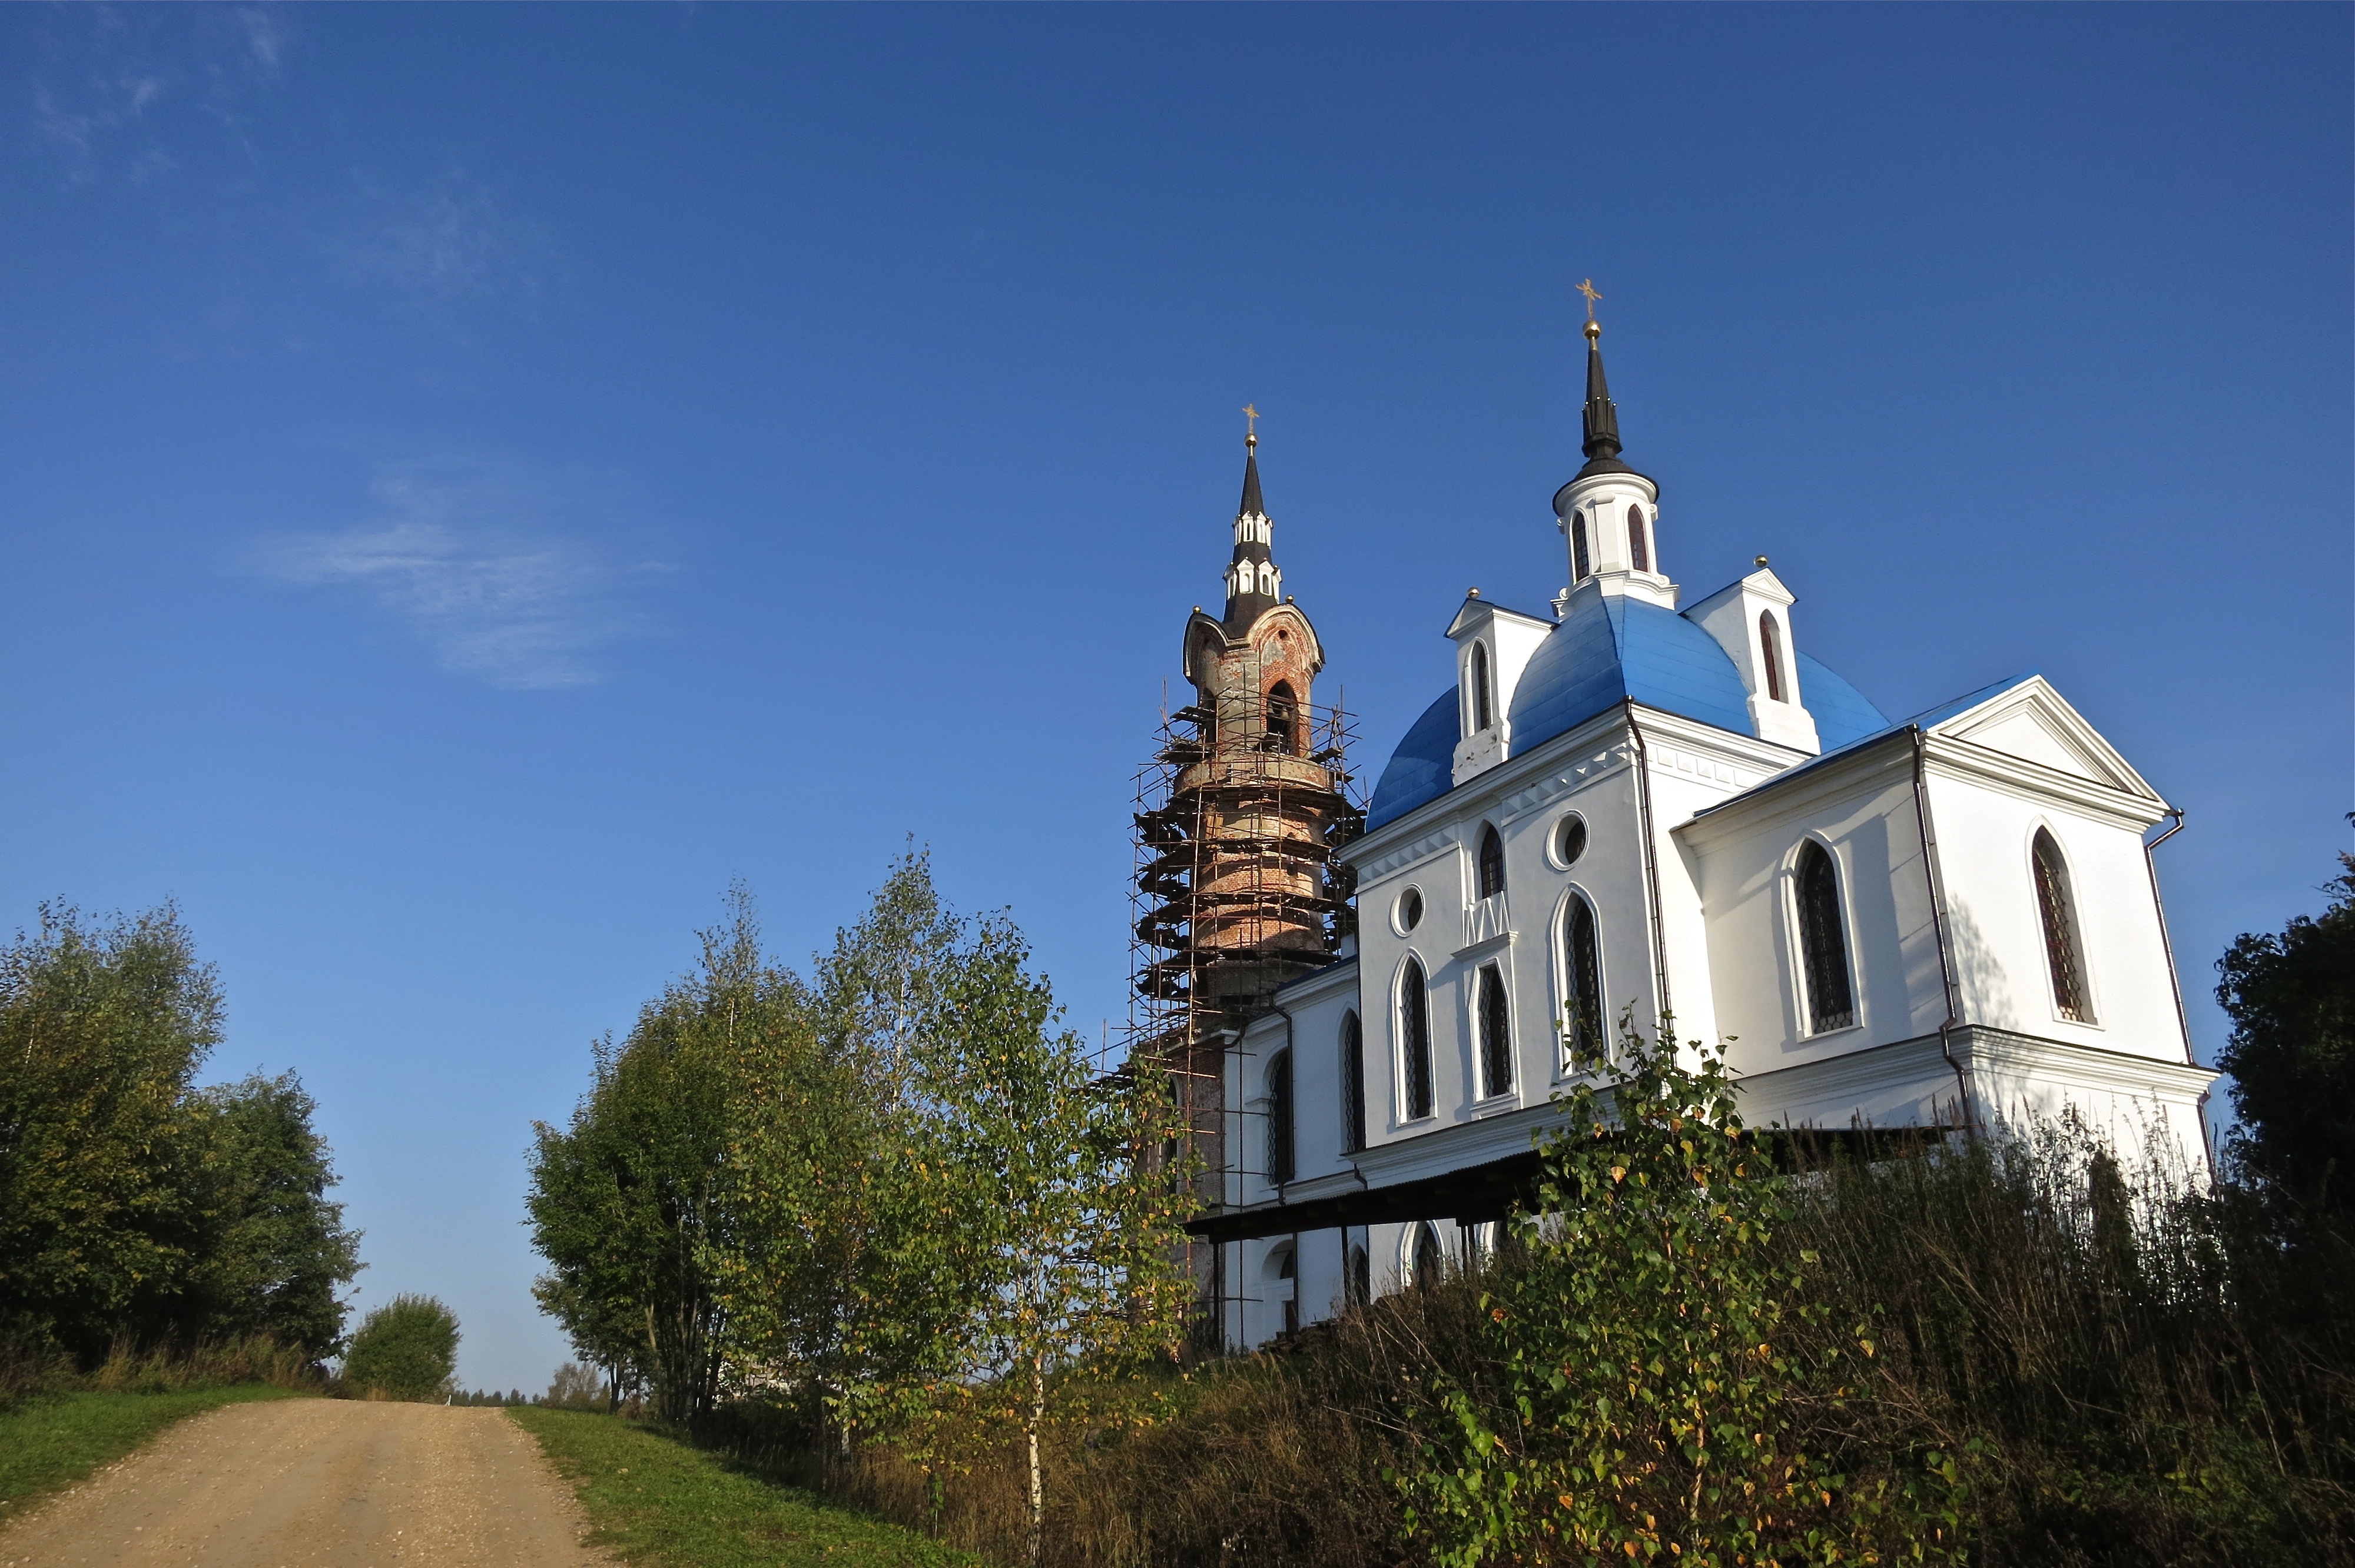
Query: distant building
x=1634 y=805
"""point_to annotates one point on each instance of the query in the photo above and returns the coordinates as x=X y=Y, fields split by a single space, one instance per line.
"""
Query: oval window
x=1569 y=840
x=1410 y=910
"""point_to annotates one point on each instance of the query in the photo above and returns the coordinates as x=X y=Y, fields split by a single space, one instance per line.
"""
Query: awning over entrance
x=1474 y=1193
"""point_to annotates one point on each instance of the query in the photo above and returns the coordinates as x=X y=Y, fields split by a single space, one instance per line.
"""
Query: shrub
x=406 y=1348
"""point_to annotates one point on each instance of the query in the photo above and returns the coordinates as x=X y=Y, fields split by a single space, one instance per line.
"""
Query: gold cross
x=1593 y=294
x=1251 y=425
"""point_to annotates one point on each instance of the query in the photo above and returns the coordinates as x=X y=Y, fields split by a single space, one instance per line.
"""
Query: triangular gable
x=2028 y=719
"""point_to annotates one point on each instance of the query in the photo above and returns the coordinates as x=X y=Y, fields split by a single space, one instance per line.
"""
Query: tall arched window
x=1283 y=719
x=1415 y=1040
x=1430 y=1258
x=1496 y=1033
x=2060 y=913
x=1483 y=710
x=1639 y=547
x=1770 y=648
x=1823 y=942
x=1353 y=1084
x=1492 y=863
x=1279 y=1118
x=1580 y=564
x=1581 y=969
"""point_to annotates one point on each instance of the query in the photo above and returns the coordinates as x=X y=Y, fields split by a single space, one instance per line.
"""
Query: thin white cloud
x=130 y=91
x=467 y=557
x=451 y=241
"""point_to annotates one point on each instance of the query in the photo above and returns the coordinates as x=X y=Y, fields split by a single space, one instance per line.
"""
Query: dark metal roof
x=1600 y=420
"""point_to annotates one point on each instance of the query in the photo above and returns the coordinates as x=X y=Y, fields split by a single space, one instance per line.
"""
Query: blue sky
x=477 y=480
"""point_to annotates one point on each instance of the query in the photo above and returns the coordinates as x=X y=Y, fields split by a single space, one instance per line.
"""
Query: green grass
x=52 y=1440
x=656 y=1499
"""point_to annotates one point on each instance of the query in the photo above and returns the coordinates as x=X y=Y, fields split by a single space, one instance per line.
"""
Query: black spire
x=1252 y=563
x=1602 y=418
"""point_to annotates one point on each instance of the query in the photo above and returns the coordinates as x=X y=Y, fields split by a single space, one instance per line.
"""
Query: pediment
x=2032 y=722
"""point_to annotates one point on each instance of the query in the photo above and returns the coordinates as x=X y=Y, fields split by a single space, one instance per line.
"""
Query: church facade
x=1630 y=804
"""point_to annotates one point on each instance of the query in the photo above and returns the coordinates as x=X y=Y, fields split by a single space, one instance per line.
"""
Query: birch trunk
x=1037 y=1488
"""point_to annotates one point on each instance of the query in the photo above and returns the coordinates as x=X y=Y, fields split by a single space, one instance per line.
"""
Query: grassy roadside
x=52 y=1440
x=652 y=1498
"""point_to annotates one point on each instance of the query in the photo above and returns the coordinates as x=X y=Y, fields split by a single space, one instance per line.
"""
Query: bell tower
x=1238 y=811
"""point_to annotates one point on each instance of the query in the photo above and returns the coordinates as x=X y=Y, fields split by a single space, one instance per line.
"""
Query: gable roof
x=1996 y=716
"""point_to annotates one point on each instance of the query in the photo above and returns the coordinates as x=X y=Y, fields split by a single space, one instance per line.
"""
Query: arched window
x=1430 y=1258
x=1639 y=548
x=1492 y=863
x=1770 y=648
x=1414 y=1039
x=1283 y=719
x=1496 y=1033
x=1581 y=969
x=1581 y=564
x=1483 y=711
x=1353 y=1084
x=1360 y=1279
x=1279 y=1118
x=1823 y=942
x=2060 y=913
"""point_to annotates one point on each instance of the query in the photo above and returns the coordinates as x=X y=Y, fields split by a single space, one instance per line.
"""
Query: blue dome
x=1622 y=648
x=1422 y=767
x=1841 y=713
x=1606 y=654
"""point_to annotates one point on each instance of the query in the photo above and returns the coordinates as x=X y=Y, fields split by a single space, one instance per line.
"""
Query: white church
x=1632 y=802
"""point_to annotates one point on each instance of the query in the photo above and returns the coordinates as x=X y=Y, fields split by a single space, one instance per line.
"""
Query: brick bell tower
x=1240 y=811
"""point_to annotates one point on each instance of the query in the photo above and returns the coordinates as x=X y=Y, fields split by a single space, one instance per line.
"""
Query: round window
x=1569 y=840
x=1410 y=910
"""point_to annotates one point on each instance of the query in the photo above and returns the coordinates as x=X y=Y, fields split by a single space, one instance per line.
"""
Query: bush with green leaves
x=406 y=1348
x=1660 y=1377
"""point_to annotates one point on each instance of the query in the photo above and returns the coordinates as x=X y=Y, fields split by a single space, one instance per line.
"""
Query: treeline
x=890 y=1200
x=141 y=1215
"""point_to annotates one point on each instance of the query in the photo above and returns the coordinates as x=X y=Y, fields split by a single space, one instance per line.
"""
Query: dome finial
x=1593 y=327
x=1251 y=427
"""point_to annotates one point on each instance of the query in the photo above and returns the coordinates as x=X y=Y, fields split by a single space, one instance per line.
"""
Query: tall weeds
x=30 y=1368
x=2135 y=1368
x=2140 y=1369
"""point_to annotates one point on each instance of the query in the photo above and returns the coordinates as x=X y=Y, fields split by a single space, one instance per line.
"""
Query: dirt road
x=316 y=1483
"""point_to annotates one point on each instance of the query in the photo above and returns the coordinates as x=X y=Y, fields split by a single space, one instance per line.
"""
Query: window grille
x=2052 y=902
x=1414 y=1033
x=1823 y=942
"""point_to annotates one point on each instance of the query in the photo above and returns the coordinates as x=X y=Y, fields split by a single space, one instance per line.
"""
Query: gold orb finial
x=1761 y=560
x=1250 y=426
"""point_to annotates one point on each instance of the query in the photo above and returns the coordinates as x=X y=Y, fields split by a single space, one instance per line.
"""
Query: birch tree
x=1073 y=1292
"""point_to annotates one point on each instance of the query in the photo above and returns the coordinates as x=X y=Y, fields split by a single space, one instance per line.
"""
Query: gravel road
x=316 y=1483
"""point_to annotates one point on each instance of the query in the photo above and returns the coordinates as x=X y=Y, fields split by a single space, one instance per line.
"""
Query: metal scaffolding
x=1234 y=893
